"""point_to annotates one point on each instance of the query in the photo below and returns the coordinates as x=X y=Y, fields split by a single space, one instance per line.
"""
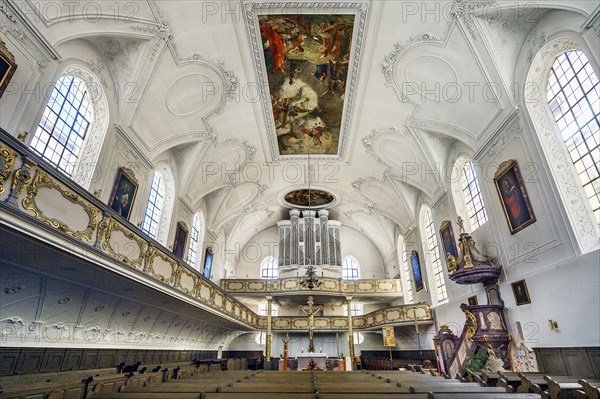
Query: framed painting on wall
x=416 y=269
x=181 y=234
x=473 y=300
x=8 y=66
x=124 y=192
x=513 y=196
x=521 y=293
x=208 y=257
x=448 y=241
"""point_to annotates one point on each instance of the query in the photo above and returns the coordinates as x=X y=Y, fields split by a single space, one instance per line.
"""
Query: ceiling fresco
x=307 y=59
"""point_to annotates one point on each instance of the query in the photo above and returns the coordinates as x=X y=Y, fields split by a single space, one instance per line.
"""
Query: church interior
x=299 y=199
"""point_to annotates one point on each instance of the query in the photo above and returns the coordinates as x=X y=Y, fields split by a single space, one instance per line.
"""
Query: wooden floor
x=311 y=385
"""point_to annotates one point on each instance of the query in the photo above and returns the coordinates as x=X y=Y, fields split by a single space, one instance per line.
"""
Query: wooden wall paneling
x=577 y=362
x=8 y=361
x=90 y=359
x=30 y=361
x=552 y=361
x=107 y=358
x=594 y=357
x=73 y=358
x=52 y=360
x=121 y=356
x=132 y=357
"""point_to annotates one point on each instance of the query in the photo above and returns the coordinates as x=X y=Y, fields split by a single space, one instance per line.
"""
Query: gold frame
x=528 y=300
x=503 y=169
x=9 y=59
x=114 y=226
x=128 y=173
x=450 y=259
x=9 y=157
x=43 y=180
x=152 y=254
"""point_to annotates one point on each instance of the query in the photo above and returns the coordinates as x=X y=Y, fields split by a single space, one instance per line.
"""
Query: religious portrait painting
x=124 y=192
x=8 y=66
x=513 y=196
x=181 y=235
x=416 y=269
x=473 y=300
x=448 y=241
x=208 y=257
x=521 y=293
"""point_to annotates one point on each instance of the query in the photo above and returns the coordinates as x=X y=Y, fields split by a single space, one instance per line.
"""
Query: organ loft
x=255 y=199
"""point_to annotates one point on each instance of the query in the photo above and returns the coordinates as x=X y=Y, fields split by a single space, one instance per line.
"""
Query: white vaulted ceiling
x=185 y=88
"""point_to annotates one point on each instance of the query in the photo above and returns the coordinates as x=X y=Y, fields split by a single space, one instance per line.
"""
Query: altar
x=305 y=358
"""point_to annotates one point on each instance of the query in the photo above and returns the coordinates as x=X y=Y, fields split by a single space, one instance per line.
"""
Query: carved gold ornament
x=471 y=324
x=153 y=253
x=42 y=180
x=7 y=160
x=111 y=226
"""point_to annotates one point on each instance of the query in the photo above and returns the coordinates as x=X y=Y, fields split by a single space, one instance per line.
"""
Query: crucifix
x=310 y=311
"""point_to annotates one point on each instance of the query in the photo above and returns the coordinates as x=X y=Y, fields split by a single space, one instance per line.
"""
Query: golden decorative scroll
x=108 y=228
x=7 y=157
x=42 y=180
x=153 y=253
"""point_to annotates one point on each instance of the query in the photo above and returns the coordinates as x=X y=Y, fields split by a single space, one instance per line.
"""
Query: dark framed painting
x=473 y=300
x=181 y=235
x=416 y=269
x=513 y=196
x=124 y=192
x=521 y=293
x=208 y=257
x=448 y=241
x=8 y=66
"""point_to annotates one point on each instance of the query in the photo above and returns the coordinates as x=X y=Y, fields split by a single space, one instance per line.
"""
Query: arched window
x=64 y=125
x=350 y=268
x=405 y=271
x=472 y=195
x=269 y=268
x=263 y=308
x=466 y=193
x=574 y=99
x=155 y=206
x=196 y=240
x=432 y=256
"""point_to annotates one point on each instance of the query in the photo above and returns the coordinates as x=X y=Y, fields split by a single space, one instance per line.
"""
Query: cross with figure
x=310 y=311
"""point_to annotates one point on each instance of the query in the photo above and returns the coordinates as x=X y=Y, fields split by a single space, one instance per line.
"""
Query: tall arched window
x=64 y=125
x=574 y=99
x=350 y=268
x=196 y=240
x=405 y=273
x=155 y=206
x=466 y=193
x=269 y=269
x=432 y=255
x=472 y=195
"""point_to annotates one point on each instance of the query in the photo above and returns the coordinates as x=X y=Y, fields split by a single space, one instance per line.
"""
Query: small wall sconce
x=553 y=324
x=22 y=136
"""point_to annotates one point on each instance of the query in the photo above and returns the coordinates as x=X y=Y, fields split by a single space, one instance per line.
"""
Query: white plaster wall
x=255 y=251
x=355 y=243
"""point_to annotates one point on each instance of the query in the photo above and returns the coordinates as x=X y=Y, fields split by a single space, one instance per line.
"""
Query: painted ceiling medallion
x=318 y=198
x=306 y=61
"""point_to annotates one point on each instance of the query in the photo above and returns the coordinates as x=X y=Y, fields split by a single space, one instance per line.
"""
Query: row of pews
x=81 y=384
x=549 y=387
x=309 y=385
